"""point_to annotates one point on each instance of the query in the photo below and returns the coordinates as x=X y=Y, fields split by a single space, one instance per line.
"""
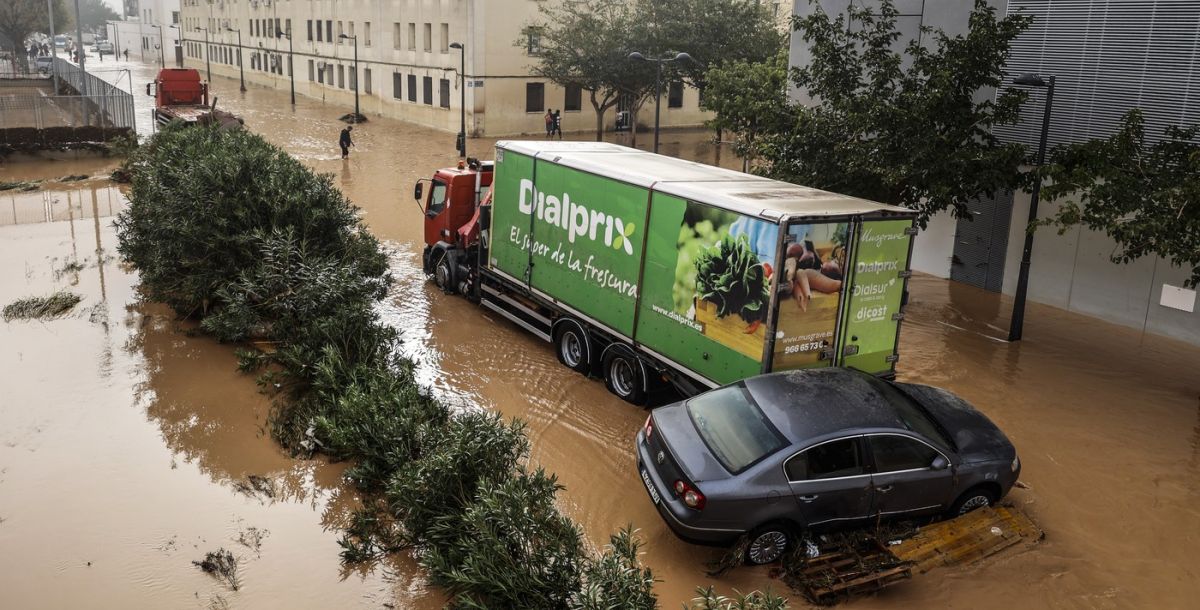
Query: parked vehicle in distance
x=44 y=63
x=781 y=454
x=104 y=46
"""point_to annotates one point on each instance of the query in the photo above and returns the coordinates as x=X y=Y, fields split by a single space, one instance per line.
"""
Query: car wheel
x=623 y=376
x=976 y=497
x=573 y=348
x=768 y=544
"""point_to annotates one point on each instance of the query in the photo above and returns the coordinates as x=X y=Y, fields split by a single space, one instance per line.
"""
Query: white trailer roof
x=725 y=188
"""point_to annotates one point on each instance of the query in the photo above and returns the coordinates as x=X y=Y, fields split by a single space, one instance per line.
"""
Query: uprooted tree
x=1145 y=196
x=901 y=127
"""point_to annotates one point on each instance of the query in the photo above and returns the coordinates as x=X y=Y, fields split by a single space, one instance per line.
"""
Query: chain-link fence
x=68 y=107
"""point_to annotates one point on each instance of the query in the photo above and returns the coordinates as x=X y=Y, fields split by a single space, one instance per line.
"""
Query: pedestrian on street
x=126 y=53
x=557 y=124
x=345 y=141
x=549 y=123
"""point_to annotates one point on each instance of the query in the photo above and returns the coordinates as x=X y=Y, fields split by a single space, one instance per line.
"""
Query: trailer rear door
x=876 y=286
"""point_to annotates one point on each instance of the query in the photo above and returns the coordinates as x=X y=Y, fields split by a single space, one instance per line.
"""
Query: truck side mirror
x=417 y=190
x=148 y=85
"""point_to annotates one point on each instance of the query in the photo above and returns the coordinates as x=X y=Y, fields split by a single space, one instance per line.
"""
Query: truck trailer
x=653 y=273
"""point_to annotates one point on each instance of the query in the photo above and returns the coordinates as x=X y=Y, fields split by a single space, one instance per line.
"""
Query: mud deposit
x=126 y=443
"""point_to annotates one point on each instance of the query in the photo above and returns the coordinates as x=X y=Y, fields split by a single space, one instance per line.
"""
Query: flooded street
x=126 y=445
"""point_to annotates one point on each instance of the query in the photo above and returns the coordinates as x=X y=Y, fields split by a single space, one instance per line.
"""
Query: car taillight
x=690 y=495
x=649 y=427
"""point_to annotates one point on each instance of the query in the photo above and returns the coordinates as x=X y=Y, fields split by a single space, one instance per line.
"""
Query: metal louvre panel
x=1108 y=56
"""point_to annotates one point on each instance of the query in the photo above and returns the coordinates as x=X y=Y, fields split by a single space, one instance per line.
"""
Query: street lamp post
x=462 y=86
x=116 y=36
x=207 y=54
x=292 y=72
x=176 y=49
x=681 y=57
x=356 y=87
x=1018 y=316
x=241 y=69
x=162 y=60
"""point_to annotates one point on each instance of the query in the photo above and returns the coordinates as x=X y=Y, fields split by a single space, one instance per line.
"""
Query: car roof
x=816 y=403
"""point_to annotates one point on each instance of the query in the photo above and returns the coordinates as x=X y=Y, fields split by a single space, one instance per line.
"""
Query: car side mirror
x=939 y=463
x=417 y=190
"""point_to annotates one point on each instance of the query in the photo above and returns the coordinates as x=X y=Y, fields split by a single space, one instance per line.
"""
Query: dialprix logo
x=575 y=218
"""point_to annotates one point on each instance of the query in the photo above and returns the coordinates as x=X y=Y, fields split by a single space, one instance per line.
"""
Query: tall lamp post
x=291 y=72
x=178 y=43
x=116 y=36
x=356 y=87
x=679 y=58
x=1018 y=316
x=462 y=86
x=241 y=69
x=162 y=60
x=207 y=54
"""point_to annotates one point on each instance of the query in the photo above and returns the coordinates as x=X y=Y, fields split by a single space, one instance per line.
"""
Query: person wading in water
x=345 y=142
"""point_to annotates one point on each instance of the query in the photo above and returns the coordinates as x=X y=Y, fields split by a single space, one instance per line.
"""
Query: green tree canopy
x=1145 y=196
x=93 y=14
x=905 y=127
x=749 y=98
x=20 y=18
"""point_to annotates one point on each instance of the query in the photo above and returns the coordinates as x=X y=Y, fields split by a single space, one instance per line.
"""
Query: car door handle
x=808 y=498
x=884 y=489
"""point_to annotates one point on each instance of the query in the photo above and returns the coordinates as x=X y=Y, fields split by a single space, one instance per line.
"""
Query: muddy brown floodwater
x=123 y=440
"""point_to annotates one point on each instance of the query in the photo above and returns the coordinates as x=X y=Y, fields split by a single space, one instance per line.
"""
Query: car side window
x=894 y=453
x=841 y=458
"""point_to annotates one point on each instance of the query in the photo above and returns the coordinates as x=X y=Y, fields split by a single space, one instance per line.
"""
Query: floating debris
x=256 y=486
x=40 y=308
x=23 y=186
x=222 y=565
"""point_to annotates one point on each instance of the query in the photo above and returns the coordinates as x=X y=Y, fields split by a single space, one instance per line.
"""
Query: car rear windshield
x=733 y=428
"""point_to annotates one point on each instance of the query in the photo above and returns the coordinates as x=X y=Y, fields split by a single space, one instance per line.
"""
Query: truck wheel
x=623 y=377
x=573 y=349
x=443 y=272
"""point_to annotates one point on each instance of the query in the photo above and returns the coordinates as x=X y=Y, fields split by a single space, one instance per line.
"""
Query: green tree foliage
x=708 y=599
x=228 y=229
x=749 y=99
x=1146 y=197
x=910 y=132
x=587 y=43
x=20 y=18
x=94 y=14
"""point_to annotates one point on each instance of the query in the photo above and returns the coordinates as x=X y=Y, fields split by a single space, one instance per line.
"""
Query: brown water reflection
x=1106 y=420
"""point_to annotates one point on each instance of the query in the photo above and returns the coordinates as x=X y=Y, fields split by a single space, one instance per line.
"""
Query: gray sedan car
x=781 y=454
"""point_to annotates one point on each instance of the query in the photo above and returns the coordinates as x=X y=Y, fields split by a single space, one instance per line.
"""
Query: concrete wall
x=497 y=69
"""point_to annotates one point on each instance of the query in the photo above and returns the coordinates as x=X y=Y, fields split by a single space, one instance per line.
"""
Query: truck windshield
x=437 y=198
x=733 y=427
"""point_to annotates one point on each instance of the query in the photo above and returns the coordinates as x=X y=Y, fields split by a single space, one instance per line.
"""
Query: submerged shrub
x=511 y=548
x=617 y=578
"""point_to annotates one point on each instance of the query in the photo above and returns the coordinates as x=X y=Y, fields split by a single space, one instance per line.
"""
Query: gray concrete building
x=1107 y=56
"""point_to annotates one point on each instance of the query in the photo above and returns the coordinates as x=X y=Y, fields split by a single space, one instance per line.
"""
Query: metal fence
x=68 y=107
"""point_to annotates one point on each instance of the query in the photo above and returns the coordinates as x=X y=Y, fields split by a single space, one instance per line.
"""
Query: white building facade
x=406 y=66
x=150 y=32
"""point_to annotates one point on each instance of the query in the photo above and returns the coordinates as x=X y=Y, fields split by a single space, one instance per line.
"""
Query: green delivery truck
x=653 y=272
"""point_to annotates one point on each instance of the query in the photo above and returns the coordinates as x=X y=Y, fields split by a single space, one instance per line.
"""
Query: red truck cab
x=451 y=209
x=178 y=87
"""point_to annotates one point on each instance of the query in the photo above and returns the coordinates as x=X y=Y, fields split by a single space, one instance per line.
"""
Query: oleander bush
x=234 y=233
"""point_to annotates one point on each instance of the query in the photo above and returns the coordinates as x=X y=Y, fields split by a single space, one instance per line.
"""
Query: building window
x=353 y=78
x=396 y=36
x=427 y=89
x=367 y=34
x=533 y=41
x=367 y=81
x=311 y=70
x=329 y=30
x=444 y=93
x=412 y=88
x=276 y=32
x=341 y=77
x=675 y=95
x=535 y=97
x=310 y=30
x=428 y=37
x=174 y=16
x=288 y=25
x=396 y=85
x=340 y=32
x=445 y=38
x=412 y=36
x=321 y=76
x=573 y=101
x=319 y=38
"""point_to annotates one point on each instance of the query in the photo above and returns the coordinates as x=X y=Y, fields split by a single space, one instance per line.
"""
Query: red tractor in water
x=180 y=95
